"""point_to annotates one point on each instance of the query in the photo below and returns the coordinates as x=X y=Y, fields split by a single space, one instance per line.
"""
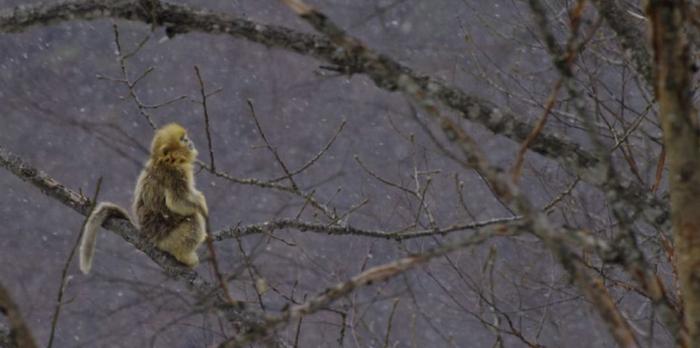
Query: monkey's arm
x=202 y=202
x=181 y=197
x=183 y=202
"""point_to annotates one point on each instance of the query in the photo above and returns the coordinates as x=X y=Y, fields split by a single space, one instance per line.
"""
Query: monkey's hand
x=202 y=202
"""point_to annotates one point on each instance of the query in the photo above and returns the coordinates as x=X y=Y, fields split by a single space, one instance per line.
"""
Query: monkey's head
x=171 y=145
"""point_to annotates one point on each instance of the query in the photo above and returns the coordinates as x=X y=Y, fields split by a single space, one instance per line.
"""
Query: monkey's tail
x=102 y=212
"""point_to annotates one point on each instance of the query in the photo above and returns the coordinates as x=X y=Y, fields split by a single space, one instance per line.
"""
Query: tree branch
x=271 y=226
x=246 y=319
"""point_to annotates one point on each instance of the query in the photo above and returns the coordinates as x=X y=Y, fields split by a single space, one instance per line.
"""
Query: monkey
x=170 y=211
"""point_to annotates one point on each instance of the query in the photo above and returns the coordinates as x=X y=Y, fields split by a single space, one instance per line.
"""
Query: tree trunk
x=672 y=69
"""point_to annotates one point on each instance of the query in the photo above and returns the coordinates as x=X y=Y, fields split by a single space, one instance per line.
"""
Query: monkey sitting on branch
x=171 y=212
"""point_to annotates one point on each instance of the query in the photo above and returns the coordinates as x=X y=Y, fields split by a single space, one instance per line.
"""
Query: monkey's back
x=155 y=220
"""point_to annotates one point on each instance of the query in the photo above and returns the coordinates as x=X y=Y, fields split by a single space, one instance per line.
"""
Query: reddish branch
x=520 y=157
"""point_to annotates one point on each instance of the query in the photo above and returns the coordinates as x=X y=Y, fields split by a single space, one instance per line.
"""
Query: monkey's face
x=185 y=141
x=172 y=145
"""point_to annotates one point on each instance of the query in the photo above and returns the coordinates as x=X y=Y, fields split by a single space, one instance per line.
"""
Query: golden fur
x=170 y=211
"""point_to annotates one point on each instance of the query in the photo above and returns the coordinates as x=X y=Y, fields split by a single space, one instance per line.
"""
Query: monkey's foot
x=191 y=260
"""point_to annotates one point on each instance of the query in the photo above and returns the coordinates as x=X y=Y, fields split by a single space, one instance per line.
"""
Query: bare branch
x=125 y=74
x=316 y=157
x=271 y=226
x=206 y=117
x=288 y=174
x=308 y=197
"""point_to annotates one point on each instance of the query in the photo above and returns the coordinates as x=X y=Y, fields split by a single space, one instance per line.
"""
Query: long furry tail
x=102 y=212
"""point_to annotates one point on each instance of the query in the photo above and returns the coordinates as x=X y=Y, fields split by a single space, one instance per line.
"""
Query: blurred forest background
x=380 y=172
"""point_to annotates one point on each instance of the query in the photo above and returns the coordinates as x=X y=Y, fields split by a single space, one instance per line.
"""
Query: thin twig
x=213 y=260
x=519 y=159
x=206 y=116
x=296 y=336
x=288 y=174
x=549 y=206
x=308 y=197
x=659 y=169
x=382 y=180
x=251 y=274
x=350 y=211
x=125 y=76
x=391 y=319
x=315 y=158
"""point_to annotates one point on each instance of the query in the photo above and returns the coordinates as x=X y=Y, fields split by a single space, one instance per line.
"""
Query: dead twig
x=206 y=116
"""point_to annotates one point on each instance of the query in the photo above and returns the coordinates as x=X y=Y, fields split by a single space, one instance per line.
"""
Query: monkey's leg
x=182 y=242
